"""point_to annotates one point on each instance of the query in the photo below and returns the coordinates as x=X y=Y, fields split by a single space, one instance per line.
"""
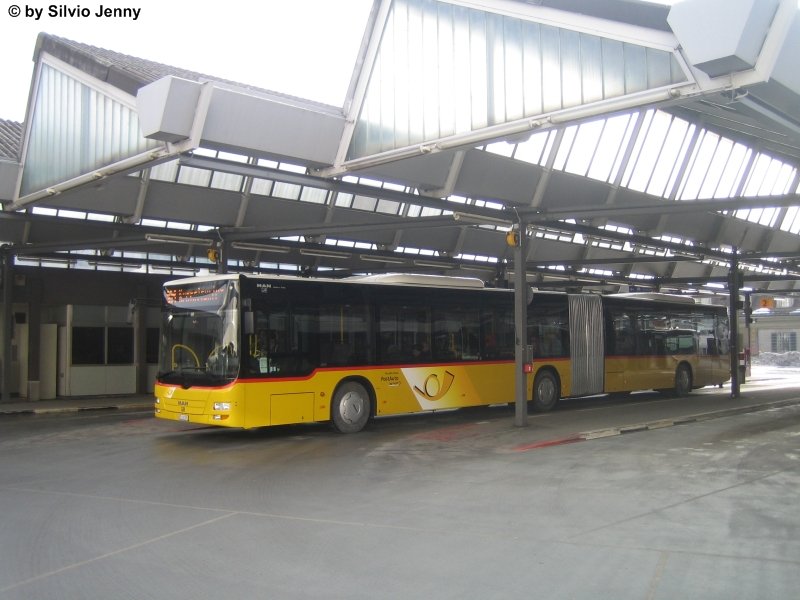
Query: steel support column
x=8 y=323
x=521 y=328
x=733 y=291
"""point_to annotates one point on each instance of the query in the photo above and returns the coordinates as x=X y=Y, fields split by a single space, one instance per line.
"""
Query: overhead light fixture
x=470 y=267
x=471 y=219
x=324 y=253
x=383 y=259
x=260 y=247
x=178 y=239
x=437 y=265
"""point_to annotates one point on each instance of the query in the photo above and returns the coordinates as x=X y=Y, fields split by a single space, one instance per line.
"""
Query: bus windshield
x=200 y=333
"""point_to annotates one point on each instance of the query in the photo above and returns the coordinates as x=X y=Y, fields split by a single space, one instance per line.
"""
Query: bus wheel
x=545 y=391
x=350 y=409
x=683 y=381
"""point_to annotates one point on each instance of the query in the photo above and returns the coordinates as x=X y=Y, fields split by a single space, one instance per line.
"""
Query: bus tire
x=546 y=391
x=683 y=381
x=351 y=407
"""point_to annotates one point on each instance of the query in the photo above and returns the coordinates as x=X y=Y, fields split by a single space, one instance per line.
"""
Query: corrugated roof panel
x=10 y=139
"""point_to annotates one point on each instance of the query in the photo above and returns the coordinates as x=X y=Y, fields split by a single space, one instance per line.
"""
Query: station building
x=630 y=148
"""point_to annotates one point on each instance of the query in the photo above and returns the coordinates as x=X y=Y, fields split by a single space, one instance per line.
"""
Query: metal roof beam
x=311 y=229
x=335 y=185
x=687 y=206
x=637 y=259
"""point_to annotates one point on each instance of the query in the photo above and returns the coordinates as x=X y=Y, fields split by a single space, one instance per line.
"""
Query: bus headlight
x=222 y=405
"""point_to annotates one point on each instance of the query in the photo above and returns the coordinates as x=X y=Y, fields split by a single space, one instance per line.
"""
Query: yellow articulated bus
x=251 y=351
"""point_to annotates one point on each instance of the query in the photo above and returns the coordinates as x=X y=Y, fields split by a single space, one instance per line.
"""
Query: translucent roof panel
x=76 y=129
x=443 y=69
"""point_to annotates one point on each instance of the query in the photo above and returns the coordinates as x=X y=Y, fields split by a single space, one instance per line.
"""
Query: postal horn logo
x=433 y=388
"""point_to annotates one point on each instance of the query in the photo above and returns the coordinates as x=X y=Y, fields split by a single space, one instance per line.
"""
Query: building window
x=783 y=341
x=151 y=346
x=88 y=346
x=120 y=346
x=102 y=346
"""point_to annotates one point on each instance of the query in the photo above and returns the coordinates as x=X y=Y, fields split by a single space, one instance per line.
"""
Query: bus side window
x=548 y=330
x=621 y=341
x=401 y=330
x=456 y=333
x=497 y=333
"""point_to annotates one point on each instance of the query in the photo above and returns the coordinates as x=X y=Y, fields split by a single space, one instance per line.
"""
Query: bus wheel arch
x=352 y=405
x=546 y=389
x=683 y=379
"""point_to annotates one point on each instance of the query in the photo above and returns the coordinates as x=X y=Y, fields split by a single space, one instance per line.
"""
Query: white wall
x=100 y=380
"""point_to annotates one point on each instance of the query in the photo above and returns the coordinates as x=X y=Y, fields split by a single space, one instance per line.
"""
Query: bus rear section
x=589 y=344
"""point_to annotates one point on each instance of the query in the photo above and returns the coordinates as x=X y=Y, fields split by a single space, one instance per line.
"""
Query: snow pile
x=774 y=359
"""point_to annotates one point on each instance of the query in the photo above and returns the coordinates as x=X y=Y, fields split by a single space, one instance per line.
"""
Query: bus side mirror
x=247 y=324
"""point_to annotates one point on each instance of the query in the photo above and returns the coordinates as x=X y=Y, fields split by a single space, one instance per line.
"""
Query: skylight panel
x=431 y=212
x=344 y=200
x=194 y=176
x=501 y=148
x=791 y=222
x=292 y=168
x=167 y=171
x=388 y=207
x=759 y=176
x=100 y=217
x=565 y=147
x=616 y=174
x=584 y=149
x=270 y=164
x=533 y=150
x=290 y=191
x=670 y=157
x=72 y=214
x=364 y=203
x=41 y=210
x=240 y=158
x=640 y=172
x=610 y=144
x=226 y=181
x=314 y=195
x=700 y=161
x=638 y=143
x=262 y=187
x=178 y=225
x=735 y=168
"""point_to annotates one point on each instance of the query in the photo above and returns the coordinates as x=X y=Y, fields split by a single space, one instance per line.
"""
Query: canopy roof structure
x=636 y=151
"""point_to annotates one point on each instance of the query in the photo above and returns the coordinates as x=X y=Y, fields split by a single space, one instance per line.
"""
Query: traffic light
x=748 y=310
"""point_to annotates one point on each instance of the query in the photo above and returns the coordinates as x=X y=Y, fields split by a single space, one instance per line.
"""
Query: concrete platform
x=76 y=404
x=662 y=498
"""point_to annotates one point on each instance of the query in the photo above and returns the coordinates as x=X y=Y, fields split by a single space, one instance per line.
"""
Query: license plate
x=183 y=417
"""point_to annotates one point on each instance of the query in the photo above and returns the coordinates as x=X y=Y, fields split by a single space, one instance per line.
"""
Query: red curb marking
x=547 y=443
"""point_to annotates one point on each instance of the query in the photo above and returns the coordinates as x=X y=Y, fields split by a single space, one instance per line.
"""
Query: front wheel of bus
x=683 y=381
x=545 y=391
x=350 y=409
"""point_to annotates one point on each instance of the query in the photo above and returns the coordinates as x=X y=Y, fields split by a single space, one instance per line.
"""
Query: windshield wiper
x=181 y=371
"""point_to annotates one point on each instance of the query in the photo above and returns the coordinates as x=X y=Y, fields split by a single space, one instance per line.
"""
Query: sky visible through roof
x=305 y=48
